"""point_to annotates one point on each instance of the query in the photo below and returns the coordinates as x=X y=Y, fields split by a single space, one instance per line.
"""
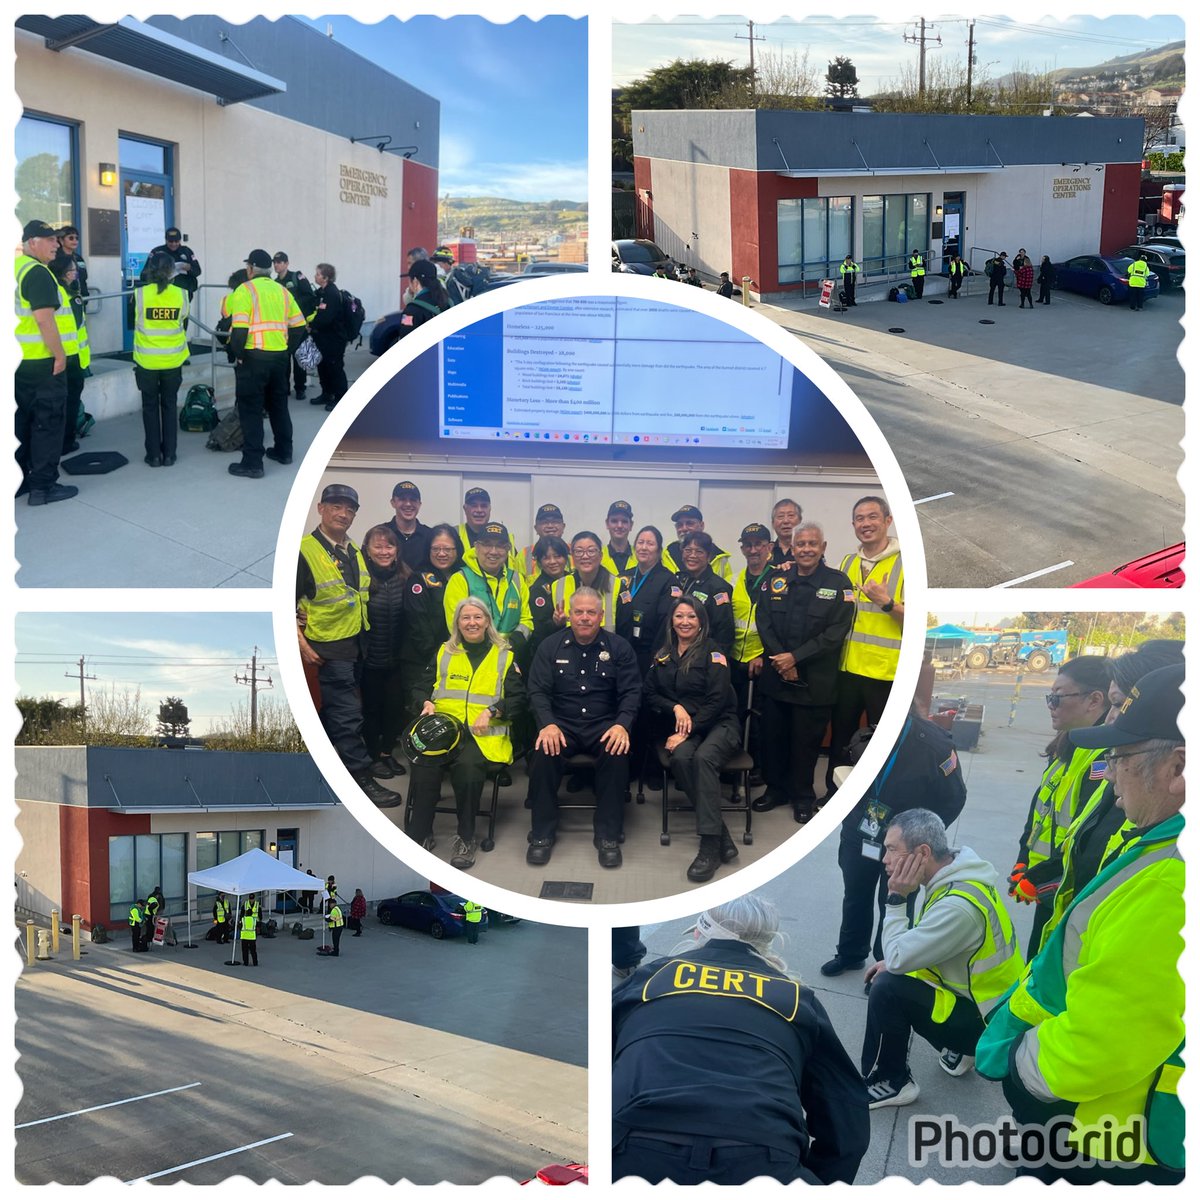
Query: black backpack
x=353 y=316
x=199 y=413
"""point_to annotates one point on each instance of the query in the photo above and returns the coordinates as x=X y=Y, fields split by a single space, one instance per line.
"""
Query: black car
x=637 y=256
x=1166 y=263
x=553 y=267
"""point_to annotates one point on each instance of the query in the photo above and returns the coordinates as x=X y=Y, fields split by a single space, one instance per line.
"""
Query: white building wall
x=692 y=198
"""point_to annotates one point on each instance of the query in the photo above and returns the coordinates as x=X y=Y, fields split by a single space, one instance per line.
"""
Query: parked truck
x=1035 y=649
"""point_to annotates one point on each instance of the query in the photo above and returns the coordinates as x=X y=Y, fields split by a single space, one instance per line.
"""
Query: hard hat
x=434 y=739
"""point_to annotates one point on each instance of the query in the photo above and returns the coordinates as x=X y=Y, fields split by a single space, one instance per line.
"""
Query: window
x=148 y=157
x=47 y=185
x=815 y=234
x=212 y=849
x=892 y=227
x=139 y=864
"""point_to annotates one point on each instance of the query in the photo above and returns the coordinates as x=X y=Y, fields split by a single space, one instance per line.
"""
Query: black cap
x=335 y=493
x=280 y=256
x=408 y=489
x=688 y=510
x=493 y=531
x=621 y=508
x=754 y=532
x=548 y=512
x=423 y=270
x=260 y=259
x=37 y=229
x=1150 y=712
x=477 y=493
x=173 y=234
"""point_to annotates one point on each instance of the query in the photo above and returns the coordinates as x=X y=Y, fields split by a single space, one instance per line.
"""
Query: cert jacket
x=716 y=594
x=810 y=617
x=718 y=1043
x=704 y=689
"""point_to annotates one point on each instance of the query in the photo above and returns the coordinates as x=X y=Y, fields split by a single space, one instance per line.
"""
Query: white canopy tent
x=254 y=871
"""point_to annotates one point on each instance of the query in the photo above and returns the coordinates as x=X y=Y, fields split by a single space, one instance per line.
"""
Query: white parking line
x=113 y=1104
x=211 y=1158
x=1034 y=574
x=939 y=496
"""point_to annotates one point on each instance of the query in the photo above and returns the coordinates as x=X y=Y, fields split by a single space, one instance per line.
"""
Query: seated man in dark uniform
x=584 y=689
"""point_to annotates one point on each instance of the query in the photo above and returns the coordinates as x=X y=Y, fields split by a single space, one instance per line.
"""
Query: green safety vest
x=335 y=920
x=873 y=647
x=135 y=915
x=747 y=645
x=916 y=266
x=28 y=334
x=337 y=610
x=159 y=339
x=509 y=604
x=615 y=568
x=992 y=969
x=71 y=341
x=220 y=913
x=561 y=591
x=266 y=311
x=464 y=692
x=1054 y=805
x=249 y=927
x=1137 y=272
x=474 y=913
x=1104 y=993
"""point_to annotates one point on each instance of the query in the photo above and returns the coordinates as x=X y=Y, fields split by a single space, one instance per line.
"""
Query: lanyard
x=641 y=577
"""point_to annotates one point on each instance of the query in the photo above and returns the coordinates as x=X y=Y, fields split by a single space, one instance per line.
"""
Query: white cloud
x=518 y=181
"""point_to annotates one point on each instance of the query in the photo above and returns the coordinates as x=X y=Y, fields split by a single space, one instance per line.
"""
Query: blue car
x=1103 y=279
x=438 y=914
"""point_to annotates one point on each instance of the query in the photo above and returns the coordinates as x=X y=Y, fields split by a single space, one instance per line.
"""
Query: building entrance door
x=147 y=211
x=952 y=227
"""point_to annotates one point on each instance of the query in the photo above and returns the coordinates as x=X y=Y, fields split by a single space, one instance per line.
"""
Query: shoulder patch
x=721 y=598
x=1097 y=770
x=779 y=585
x=826 y=593
x=680 y=977
x=431 y=579
x=719 y=658
x=848 y=595
x=676 y=592
x=417 y=589
x=948 y=766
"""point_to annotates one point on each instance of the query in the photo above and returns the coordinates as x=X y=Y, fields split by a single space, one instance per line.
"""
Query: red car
x=1162 y=569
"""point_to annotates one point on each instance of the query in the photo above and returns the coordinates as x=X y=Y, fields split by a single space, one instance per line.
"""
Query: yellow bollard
x=746 y=282
x=29 y=943
x=54 y=915
x=75 y=922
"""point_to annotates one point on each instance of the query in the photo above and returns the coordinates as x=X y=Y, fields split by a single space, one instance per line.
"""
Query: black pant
x=249 y=951
x=995 y=286
x=696 y=765
x=864 y=889
x=160 y=417
x=383 y=709
x=336 y=933
x=955 y=284
x=918 y=282
x=848 y=288
x=261 y=387
x=1026 y=294
x=791 y=746
x=1043 y=293
x=471 y=929
x=856 y=694
x=1137 y=297
x=331 y=370
x=41 y=413
x=683 y=1159
x=75 y=382
x=467 y=775
x=899 y=1005
x=299 y=376
x=341 y=712
x=612 y=780
x=137 y=937
x=627 y=947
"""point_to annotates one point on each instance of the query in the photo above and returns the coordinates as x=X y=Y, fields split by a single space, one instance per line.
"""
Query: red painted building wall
x=754 y=222
x=83 y=858
x=419 y=219
x=1122 y=196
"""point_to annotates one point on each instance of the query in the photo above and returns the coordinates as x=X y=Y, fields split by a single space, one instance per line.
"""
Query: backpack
x=893 y=293
x=353 y=316
x=228 y=434
x=199 y=413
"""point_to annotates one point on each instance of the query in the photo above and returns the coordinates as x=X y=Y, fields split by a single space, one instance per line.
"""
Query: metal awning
x=140 y=810
x=142 y=47
x=853 y=172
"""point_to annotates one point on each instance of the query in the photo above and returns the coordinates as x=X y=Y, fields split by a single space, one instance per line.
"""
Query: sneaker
x=463 y=853
x=954 y=1063
x=52 y=494
x=883 y=1093
x=838 y=965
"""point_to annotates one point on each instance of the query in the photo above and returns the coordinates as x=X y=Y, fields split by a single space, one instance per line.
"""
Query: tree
x=118 y=719
x=841 y=79
x=1157 y=119
x=277 y=730
x=782 y=80
x=48 y=721
x=173 y=719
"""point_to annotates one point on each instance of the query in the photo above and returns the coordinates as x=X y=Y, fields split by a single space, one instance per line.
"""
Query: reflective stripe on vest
x=250 y=927
x=266 y=311
x=916 y=266
x=336 y=611
x=1065 y=892
x=464 y=692
x=561 y=591
x=747 y=645
x=70 y=341
x=28 y=334
x=474 y=913
x=873 y=647
x=159 y=339
x=1054 y=807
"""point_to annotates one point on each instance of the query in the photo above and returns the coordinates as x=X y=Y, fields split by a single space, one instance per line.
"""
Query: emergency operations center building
x=783 y=196
x=242 y=135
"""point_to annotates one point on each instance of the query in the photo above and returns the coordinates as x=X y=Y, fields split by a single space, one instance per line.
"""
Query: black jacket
x=580 y=688
x=717 y=597
x=641 y=612
x=385 y=603
x=328 y=326
x=181 y=254
x=753 y=1057
x=424 y=616
x=704 y=689
x=414 y=547
x=809 y=616
x=302 y=291
x=423 y=307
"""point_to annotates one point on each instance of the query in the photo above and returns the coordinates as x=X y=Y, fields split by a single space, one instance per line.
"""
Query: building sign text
x=358 y=186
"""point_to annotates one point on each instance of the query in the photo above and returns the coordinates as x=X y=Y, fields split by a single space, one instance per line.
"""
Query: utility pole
x=970 y=58
x=255 y=684
x=751 y=39
x=920 y=40
x=82 y=699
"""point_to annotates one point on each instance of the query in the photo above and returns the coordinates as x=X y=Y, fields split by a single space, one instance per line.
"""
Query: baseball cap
x=754 y=532
x=621 y=508
x=339 y=492
x=423 y=270
x=475 y=495
x=280 y=256
x=408 y=489
x=37 y=229
x=173 y=235
x=548 y=512
x=688 y=510
x=258 y=258
x=493 y=531
x=1150 y=712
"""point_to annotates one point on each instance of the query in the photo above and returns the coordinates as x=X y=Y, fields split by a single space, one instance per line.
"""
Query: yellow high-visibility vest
x=29 y=336
x=159 y=339
x=337 y=610
x=873 y=647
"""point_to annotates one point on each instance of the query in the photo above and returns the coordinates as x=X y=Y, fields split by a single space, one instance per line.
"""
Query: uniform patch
x=604 y=656
x=680 y=977
x=848 y=595
x=626 y=598
x=676 y=592
x=417 y=589
x=721 y=598
x=406 y=319
x=826 y=593
x=719 y=658
x=948 y=766
x=779 y=585
x=539 y=602
x=1097 y=770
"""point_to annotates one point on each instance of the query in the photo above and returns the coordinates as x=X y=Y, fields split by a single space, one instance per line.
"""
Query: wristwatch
x=894 y=899
x=888 y=606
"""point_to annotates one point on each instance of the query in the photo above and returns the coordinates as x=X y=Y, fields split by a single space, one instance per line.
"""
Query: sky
x=190 y=655
x=513 y=97
x=876 y=44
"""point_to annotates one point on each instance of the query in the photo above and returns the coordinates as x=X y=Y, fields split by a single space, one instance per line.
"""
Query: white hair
x=750 y=919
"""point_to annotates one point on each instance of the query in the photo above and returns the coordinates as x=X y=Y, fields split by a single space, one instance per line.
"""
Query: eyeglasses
x=1054 y=699
x=1111 y=758
x=585 y=552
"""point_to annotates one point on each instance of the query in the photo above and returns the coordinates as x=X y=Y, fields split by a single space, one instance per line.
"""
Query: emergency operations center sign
x=356 y=186
x=1069 y=187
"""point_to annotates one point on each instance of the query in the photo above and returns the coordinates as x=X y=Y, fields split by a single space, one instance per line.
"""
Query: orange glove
x=1015 y=876
x=1023 y=891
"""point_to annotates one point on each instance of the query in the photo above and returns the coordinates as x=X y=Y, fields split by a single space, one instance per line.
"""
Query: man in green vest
x=44 y=326
x=248 y=933
x=488 y=573
x=331 y=612
x=335 y=922
x=939 y=978
x=221 y=922
x=849 y=270
x=1092 y=1034
x=137 y=915
x=1138 y=272
x=916 y=269
x=472 y=916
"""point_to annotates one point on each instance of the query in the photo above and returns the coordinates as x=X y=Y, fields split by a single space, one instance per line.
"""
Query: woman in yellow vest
x=159 y=351
x=586 y=553
x=475 y=680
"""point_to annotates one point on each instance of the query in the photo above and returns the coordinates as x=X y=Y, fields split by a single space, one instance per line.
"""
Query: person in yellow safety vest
x=45 y=326
x=332 y=587
x=335 y=922
x=849 y=271
x=547 y=522
x=472 y=919
x=476 y=680
x=586 y=554
x=1138 y=272
x=1077 y=699
x=618 y=557
x=248 y=936
x=160 y=350
x=872 y=650
x=65 y=271
x=1091 y=1037
x=488 y=574
x=940 y=978
x=266 y=328
x=689 y=519
x=477 y=513
x=221 y=922
x=137 y=918
x=916 y=269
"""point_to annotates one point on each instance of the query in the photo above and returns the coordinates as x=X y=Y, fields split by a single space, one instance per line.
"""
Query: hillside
x=491 y=215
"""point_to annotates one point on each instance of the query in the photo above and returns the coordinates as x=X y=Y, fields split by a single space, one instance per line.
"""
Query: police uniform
x=810 y=617
x=725 y=1070
x=716 y=595
x=584 y=690
x=188 y=280
x=642 y=603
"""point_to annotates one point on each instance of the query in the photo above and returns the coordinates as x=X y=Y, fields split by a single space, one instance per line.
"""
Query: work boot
x=609 y=854
x=537 y=853
x=463 y=856
x=381 y=769
x=729 y=850
x=380 y=796
x=52 y=494
x=839 y=965
x=704 y=865
x=768 y=800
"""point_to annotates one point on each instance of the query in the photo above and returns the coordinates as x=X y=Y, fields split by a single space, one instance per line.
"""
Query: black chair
x=488 y=843
x=740 y=766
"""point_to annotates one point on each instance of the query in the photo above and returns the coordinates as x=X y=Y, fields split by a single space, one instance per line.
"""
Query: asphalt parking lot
x=1001 y=776
x=1042 y=449
x=403 y=1058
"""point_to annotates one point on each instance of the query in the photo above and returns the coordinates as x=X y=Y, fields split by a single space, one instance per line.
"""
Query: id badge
x=874 y=819
x=873 y=851
x=637 y=623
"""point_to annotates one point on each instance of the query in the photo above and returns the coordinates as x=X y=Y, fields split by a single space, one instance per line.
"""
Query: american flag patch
x=406 y=320
x=719 y=658
x=721 y=598
x=1098 y=769
x=848 y=594
x=950 y=763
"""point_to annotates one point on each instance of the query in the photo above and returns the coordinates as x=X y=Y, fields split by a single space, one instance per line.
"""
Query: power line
x=255 y=684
